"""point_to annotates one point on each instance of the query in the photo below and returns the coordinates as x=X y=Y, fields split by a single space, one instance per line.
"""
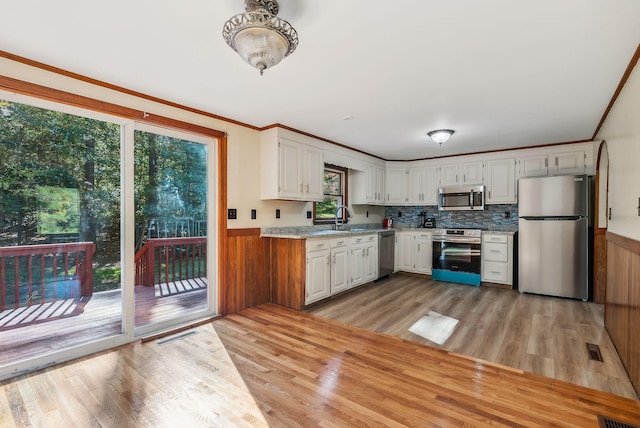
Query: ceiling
x=501 y=73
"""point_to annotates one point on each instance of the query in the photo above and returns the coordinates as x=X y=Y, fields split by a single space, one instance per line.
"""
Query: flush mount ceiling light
x=440 y=135
x=259 y=36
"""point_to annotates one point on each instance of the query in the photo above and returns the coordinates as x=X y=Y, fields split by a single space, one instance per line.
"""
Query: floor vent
x=177 y=337
x=612 y=423
x=594 y=352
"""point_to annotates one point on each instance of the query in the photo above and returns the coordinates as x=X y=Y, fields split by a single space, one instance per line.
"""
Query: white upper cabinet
x=533 y=166
x=290 y=169
x=472 y=173
x=367 y=187
x=314 y=174
x=564 y=163
x=501 y=181
x=449 y=174
x=396 y=186
x=462 y=174
x=556 y=160
x=422 y=185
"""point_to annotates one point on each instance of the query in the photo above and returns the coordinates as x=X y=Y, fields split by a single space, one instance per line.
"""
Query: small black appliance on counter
x=429 y=222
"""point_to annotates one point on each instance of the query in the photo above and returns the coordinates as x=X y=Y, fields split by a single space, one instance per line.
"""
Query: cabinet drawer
x=358 y=240
x=495 y=252
x=340 y=242
x=495 y=271
x=317 y=244
x=371 y=238
x=495 y=238
x=423 y=236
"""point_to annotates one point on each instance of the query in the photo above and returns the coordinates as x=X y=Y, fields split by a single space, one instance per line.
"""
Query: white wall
x=621 y=130
x=243 y=191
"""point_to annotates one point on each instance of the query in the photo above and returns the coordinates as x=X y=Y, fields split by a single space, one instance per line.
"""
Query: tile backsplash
x=494 y=217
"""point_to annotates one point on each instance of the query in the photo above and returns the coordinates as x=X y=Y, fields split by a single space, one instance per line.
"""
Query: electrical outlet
x=254 y=214
x=367 y=213
x=507 y=214
x=277 y=213
x=308 y=214
x=399 y=213
x=232 y=213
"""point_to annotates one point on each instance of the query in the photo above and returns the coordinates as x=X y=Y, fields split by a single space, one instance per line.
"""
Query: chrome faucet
x=340 y=221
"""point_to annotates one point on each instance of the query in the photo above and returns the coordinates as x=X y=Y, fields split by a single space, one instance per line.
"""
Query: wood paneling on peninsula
x=246 y=271
x=288 y=272
x=622 y=308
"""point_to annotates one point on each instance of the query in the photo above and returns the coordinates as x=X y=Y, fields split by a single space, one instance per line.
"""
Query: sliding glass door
x=171 y=211
x=106 y=231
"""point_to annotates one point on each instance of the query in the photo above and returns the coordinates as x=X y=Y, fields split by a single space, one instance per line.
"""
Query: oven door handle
x=457 y=240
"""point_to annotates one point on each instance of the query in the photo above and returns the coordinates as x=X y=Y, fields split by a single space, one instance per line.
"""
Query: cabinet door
x=472 y=173
x=318 y=284
x=380 y=180
x=568 y=163
x=501 y=181
x=340 y=275
x=372 y=183
x=449 y=175
x=314 y=174
x=406 y=255
x=357 y=263
x=424 y=247
x=396 y=186
x=533 y=166
x=290 y=169
x=371 y=260
x=415 y=181
x=430 y=186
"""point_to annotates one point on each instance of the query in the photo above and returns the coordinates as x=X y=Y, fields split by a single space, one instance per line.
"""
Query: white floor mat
x=435 y=327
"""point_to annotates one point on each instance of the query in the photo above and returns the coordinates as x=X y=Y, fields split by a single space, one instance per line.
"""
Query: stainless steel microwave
x=461 y=198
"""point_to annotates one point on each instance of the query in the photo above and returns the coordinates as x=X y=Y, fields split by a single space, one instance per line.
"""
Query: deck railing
x=171 y=259
x=37 y=274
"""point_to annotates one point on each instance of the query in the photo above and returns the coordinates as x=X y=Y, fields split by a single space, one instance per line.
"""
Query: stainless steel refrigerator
x=553 y=236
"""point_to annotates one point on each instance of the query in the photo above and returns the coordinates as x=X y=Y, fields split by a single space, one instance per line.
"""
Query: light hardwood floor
x=277 y=367
x=539 y=334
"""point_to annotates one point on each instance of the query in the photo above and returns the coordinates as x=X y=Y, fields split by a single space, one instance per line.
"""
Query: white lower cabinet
x=338 y=264
x=405 y=251
x=414 y=251
x=340 y=261
x=364 y=259
x=424 y=248
x=371 y=258
x=497 y=258
x=318 y=280
x=357 y=262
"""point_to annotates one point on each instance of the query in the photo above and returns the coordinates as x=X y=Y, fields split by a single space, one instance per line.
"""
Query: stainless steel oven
x=457 y=255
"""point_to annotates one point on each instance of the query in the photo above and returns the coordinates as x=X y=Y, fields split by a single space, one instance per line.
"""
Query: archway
x=600 y=225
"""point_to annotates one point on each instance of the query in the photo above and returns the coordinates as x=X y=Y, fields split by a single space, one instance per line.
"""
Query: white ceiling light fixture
x=259 y=36
x=440 y=135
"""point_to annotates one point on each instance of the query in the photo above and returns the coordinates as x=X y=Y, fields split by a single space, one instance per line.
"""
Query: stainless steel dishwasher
x=386 y=252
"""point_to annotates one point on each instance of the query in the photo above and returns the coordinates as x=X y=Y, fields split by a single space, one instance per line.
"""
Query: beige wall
x=621 y=130
x=243 y=192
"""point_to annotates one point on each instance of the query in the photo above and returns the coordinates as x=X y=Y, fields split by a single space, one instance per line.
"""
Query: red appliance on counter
x=387 y=223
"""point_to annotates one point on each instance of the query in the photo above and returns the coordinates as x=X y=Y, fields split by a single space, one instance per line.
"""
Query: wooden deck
x=39 y=329
x=272 y=366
